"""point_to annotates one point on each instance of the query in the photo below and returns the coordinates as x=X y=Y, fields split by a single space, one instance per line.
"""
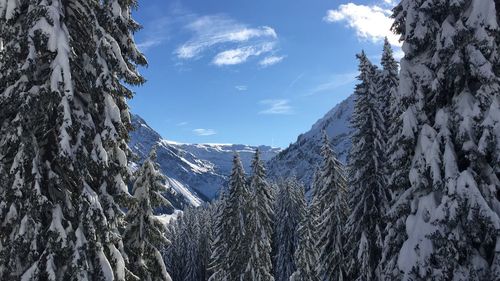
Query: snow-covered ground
x=167 y=218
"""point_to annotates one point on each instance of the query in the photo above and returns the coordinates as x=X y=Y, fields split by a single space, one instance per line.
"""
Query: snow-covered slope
x=197 y=171
x=301 y=158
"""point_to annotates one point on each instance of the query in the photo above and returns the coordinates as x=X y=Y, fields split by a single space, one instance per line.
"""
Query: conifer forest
x=89 y=191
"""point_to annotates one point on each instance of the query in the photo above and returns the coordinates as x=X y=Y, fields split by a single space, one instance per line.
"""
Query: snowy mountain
x=197 y=171
x=301 y=158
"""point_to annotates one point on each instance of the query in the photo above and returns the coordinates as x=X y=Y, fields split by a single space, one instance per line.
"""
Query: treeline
x=418 y=200
x=259 y=231
x=409 y=205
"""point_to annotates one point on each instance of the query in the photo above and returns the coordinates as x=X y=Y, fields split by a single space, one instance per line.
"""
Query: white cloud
x=334 y=81
x=149 y=43
x=182 y=124
x=390 y=3
x=370 y=22
x=241 y=55
x=277 y=106
x=204 y=132
x=235 y=41
x=241 y=87
x=271 y=60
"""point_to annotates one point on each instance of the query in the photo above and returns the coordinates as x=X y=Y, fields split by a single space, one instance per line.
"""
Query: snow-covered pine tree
x=306 y=254
x=260 y=216
x=170 y=251
x=188 y=255
x=331 y=198
x=231 y=254
x=191 y=238
x=400 y=144
x=144 y=236
x=176 y=254
x=218 y=266
x=368 y=194
x=449 y=83
x=289 y=207
x=63 y=137
x=207 y=222
x=387 y=85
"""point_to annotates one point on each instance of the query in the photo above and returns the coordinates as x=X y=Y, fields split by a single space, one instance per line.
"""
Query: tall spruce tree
x=368 y=194
x=306 y=254
x=63 y=137
x=387 y=86
x=219 y=265
x=144 y=236
x=449 y=86
x=331 y=198
x=260 y=216
x=172 y=254
x=289 y=208
x=188 y=254
x=230 y=246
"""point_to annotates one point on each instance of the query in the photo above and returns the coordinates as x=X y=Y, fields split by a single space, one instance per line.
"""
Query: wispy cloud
x=370 y=22
x=182 y=124
x=276 y=106
x=334 y=81
x=271 y=60
x=204 y=132
x=156 y=33
x=241 y=88
x=297 y=79
x=241 y=55
x=235 y=42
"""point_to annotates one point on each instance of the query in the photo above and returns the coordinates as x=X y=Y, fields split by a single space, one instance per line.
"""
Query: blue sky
x=251 y=72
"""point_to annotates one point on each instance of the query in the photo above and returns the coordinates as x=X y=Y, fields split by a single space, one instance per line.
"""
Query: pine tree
x=449 y=86
x=331 y=198
x=387 y=85
x=207 y=222
x=230 y=253
x=369 y=197
x=290 y=204
x=219 y=265
x=188 y=255
x=191 y=237
x=63 y=137
x=170 y=253
x=306 y=254
x=176 y=255
x=260 y=215
x=144 y=235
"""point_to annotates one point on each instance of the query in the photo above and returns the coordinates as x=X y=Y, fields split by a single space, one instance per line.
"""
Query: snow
x=178 y=186
x=11 y=215
x=30 y=274
x=417 y=248
x=56 y=224
x=167 y=218
x=105 y=266
x=483 y=14
x=201 y=168
x=118 y=262
x=8 y=7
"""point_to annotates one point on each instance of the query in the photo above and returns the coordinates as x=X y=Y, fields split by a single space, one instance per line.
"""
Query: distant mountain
x=196 y=171
x=301 y=158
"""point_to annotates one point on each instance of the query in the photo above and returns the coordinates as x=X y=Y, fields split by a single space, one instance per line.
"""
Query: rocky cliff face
x=301 y=158
x=196 y=171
